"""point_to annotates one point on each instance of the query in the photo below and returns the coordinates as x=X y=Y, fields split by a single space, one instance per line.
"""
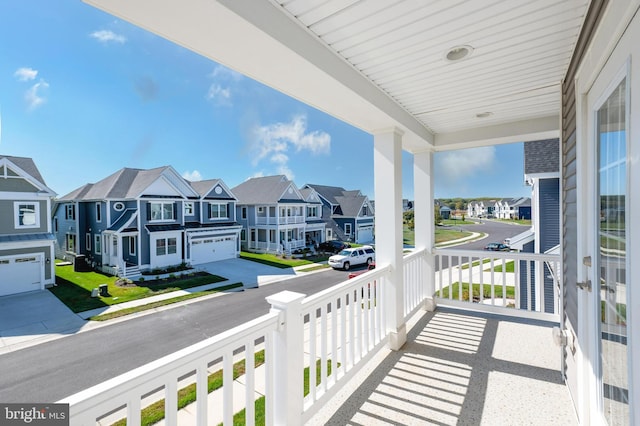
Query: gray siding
x=17 y=185
x=569 y=210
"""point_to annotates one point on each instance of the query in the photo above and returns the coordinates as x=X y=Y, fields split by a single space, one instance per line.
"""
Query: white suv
x=352 y=256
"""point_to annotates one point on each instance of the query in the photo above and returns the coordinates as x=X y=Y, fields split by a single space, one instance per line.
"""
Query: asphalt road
x=59 y=368
x=497 y=232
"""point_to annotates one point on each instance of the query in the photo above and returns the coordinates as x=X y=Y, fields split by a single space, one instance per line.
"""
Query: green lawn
x=279 y=262
x=74 y=288
x=441 y=235
x=510 y=267
x=486 y=291
x=456 y=222
x=517 y=221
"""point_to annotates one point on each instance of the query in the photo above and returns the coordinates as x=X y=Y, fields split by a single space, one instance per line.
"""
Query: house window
x=188 y=208
x=27 y=215
x=70 y=243
x=347 y=228
x=260 y=209
x=312 y=211
x=88 y=241
x=55 y=224
x=161 y=247
x=98 y=244
x=98 y=213
x=243 y=235
x=365 y=211
x=166 y=246
x=218 y=211
x=132 y=246
x=69 y=212
x=244 y=212
x=162 y=211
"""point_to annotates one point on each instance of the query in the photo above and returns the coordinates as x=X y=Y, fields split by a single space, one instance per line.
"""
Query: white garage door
x=365 y=235
x=212 y=249
x=20 y=274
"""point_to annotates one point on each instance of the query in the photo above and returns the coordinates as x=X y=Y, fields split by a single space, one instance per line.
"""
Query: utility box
x=103 y=289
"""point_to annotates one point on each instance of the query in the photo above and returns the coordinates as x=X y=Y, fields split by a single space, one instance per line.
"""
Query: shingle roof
x=351 y=205
x=306 y=192
x=329 y=193
x=27 y=165
x=262 y=190
x=542 y=156
x=126 y=183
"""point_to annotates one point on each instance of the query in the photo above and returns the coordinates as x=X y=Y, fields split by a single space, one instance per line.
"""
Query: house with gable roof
x=26 y=238
x=272 y=212
x=316 y=227
x=138 y=219
x=349 y=215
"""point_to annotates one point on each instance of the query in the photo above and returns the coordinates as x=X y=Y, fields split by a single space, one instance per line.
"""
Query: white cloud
x=34 y=95
x=25 y=74
x=106 y=36
x=461 y=164
x=218 y=93
x=272 y=142
x=193 y=176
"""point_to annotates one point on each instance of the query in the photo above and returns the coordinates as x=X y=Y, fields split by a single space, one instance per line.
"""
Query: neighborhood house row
x=136 y=220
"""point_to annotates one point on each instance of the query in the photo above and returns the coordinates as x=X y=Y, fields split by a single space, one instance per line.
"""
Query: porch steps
x=131 y=272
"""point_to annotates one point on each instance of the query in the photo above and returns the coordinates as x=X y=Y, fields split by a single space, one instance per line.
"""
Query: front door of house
x=613 y=146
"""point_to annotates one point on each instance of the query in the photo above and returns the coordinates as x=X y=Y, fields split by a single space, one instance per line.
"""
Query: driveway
x=32 y=317
x=251 y=274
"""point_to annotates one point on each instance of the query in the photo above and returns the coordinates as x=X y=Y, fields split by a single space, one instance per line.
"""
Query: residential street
x=59 y=368
x=53 y=370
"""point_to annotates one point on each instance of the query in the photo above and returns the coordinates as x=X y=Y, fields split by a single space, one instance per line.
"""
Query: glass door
x=611 y=255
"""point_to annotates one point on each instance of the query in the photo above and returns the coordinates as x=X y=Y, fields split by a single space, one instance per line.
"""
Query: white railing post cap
x=285 y=298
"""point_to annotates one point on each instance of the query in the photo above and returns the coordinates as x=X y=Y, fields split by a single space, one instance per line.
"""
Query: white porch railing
x=333 y=333
x=509 y=283
x=264 y=245
x=294 y=244
x=284 y=220
x=266 y=220
x=340 y=329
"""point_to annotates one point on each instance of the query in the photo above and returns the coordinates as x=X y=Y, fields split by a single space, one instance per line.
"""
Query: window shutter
x=209 y=210
x=148 y=211
x=175 y=211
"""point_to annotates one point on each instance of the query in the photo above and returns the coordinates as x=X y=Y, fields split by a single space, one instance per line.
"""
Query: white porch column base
x=398 y=338
x=429 y=305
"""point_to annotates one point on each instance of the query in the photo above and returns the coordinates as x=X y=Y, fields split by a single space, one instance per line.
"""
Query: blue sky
x=85 y=94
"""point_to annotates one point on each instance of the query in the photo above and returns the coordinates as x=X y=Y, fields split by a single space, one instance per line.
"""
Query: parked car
x=352 y=256
x=333 y=246
x=371 y=267
x=497 y=247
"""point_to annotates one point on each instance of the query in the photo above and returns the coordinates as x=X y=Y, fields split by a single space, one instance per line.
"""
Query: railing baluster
x=313 y=355
x=334 y=339
x=343 y=332
x=459 y=276
x=516 y=269
x=323 y=347
x=133 y=411
x=250 y=384
x=528 y=263
x=504 y=282
x=171 y=402
x=493 y=281
x=227 y=388
x=366 y=310
x=202 y=393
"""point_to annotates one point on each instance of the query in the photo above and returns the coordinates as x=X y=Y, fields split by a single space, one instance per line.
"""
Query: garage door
x=365 y=235
x=212 y=249
x=20 y=274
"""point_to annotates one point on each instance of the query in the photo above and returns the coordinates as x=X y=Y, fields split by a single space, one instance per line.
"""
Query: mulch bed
x=150 y=282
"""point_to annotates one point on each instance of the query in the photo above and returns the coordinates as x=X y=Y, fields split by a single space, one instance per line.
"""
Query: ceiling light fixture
x=484 y=114
x=458 y=53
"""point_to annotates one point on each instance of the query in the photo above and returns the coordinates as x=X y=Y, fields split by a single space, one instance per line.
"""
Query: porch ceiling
x=378 y=63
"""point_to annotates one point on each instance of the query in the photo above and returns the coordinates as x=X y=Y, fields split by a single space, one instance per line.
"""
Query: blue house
x=542 y=173
x=26 y=238
x=137 y=219
x=275 y=216
x=348 y=215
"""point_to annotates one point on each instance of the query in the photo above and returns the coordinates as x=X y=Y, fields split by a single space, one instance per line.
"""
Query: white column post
x=424 y=221
x=387 y=162
x=286 y=355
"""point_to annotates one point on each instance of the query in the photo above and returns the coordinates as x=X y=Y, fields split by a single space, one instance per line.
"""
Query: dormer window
x=218 y=211
x=188 y=208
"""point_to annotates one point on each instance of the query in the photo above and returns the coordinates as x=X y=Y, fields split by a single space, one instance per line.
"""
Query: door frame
x=610 y=56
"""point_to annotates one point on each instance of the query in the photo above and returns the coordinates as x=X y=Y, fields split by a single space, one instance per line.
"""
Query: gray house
x=137 y=219
x=26 y=239
x=273 y=214
x=348 y=214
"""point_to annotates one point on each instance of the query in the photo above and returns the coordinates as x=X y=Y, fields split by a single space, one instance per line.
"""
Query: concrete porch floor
x=460 y=368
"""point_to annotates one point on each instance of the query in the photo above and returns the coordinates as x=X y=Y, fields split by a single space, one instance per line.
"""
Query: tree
x=437 y=216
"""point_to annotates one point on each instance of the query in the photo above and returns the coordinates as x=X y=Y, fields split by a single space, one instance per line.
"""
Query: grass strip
x=473 y=264
x=273 y=260
x=153 y=305
x=510 y=267
x=239 y=417
x=155 y=412
x=486 y=291
x=314 y=268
